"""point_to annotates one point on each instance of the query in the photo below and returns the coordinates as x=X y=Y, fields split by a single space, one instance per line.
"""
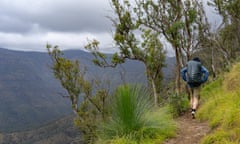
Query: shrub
x=134 y=121
x=178 y=104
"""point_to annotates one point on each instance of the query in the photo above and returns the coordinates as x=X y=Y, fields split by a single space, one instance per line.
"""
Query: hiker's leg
x=188 y=91
x=191 y=97
x=196 y=95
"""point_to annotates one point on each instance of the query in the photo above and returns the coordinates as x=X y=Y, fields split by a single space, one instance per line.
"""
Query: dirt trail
x=190 y=131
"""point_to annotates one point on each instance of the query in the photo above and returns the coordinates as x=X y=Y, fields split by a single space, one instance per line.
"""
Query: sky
x=28 y=25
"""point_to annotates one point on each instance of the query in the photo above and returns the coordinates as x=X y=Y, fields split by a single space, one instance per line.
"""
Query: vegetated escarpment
x=29 y=93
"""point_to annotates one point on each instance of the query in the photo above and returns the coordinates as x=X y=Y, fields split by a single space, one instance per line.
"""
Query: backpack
x=194 y=75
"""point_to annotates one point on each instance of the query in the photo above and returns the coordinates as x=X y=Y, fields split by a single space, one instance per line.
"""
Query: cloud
x=54 y=15
x=29 y=24
x=37 y=42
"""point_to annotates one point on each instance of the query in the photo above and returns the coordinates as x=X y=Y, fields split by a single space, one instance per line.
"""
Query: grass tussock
x=134 y=121
x=232 y=79
x=221 y=108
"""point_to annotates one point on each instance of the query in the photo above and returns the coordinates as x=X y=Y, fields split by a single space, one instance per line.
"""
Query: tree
x=182 y=23
x=221 y=47
x=229 y=32
x=154 y=63
x=93 y=106
x=134 y=42
x=229 y=10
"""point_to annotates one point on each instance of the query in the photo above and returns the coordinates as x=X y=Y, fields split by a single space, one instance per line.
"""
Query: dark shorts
x=194 y=85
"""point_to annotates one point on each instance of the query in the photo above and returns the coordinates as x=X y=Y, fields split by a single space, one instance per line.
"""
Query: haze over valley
x=30 y=96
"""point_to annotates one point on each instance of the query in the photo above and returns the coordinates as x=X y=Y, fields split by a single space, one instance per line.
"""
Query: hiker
x=194 y=74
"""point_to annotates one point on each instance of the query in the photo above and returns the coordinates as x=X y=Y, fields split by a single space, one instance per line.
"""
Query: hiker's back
x=194 y=74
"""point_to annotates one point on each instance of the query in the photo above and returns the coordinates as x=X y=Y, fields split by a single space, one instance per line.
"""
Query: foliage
x=69 y=74
x=229 y=10
x=133 y=120
x=155 y=58
x=221 y=47
x=182 y=23
x=179 y=104
x=93 y=106
x=221 y=108
x=133 y=41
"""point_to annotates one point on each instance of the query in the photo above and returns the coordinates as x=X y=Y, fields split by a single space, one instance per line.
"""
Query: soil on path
x=190 y=131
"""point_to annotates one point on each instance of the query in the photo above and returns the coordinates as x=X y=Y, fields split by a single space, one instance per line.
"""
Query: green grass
x=179 y=104
x=221 y=107
x=134 y=120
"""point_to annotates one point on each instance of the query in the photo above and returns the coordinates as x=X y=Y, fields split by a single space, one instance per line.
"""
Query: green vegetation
x=147 y=48
x=179 y=104
x=222 y=108
x=133 y=116
x=134 y=121
x=184 y=25
x=61 y=131
x=72 y=78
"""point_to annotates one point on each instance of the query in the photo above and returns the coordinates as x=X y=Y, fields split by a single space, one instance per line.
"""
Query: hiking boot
x=193 y=114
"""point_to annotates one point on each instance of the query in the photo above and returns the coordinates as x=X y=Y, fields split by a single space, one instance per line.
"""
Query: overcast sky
x=30 y=24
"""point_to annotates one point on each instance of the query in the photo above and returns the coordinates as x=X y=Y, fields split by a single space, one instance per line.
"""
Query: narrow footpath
x=190 y=131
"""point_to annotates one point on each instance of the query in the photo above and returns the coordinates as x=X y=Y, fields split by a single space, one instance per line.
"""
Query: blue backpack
x=194 y=74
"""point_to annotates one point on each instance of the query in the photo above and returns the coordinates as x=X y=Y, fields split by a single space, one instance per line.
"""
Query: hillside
x=29 y=94
x=221 y=108
x=57 y=132
x=28 y=91
x=218 y=117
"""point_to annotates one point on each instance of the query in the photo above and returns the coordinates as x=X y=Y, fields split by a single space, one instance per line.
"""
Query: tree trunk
x=212 y=65
x=178 y=68
x=155 y=94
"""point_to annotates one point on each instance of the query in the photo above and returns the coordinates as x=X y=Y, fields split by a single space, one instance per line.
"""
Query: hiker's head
x=196 y=59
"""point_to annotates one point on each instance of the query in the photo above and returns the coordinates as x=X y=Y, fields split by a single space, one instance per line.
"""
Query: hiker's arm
x=205 y=74
x=183 y=73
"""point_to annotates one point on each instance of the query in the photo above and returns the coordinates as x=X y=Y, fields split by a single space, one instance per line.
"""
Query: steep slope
x=57 y=132
x=29 y=94
x=218 y=117
x=28 y=91
x=221 y=107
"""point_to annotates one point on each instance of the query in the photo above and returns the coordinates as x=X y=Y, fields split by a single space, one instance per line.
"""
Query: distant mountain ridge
x=29 y=93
